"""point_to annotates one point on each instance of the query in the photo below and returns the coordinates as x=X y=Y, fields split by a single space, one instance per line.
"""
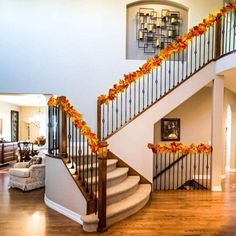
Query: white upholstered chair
x=27 y=178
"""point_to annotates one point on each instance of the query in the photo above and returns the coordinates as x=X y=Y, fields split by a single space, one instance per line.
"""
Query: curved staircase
x=125 y=195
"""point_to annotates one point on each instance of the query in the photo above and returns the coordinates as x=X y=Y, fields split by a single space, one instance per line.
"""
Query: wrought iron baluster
x=147 y=89
x=121 y=110
x=152 y=88
x=198 y=169
x=69 y=139
x=173 y=177
x=169 y=173
x=117 y=110
x=112 y=118
x=83 y=177
x=87 y=167
x=103 y=121
x=72 y=153
x=130 y=103
x=161 y=156
x=91 y=175
x=203 y=170
x=80 y=152
x=108 y=120
x=156 y=84
x=134 y=98
x=76 y=151
x=125 y=106
x=208 y=43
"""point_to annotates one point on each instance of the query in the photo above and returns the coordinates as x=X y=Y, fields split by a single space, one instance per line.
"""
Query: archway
x=228 y=138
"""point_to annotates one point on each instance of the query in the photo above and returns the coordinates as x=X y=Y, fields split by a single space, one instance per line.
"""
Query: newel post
x=99 y=119
x=218 y=37
x=102 y=187
x=63 y=132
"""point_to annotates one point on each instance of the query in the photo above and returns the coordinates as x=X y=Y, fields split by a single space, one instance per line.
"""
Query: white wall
x=72 y=48
x=57 y=182
x=5 y=114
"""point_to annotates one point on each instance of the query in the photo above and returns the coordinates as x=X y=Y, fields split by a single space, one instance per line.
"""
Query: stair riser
x=112 y=182
x=109 y=169
x=122 y=195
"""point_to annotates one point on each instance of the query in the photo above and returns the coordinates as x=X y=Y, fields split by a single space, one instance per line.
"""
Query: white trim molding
x=201 y=177
x=64 y=211
x=216 y=188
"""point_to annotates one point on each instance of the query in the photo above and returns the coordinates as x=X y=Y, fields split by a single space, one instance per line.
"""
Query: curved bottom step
x=120 y=210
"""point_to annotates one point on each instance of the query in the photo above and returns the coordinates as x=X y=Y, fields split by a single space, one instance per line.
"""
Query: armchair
x=27 y=178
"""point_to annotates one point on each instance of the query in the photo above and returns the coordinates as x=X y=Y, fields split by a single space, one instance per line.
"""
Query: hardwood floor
x=167 y=213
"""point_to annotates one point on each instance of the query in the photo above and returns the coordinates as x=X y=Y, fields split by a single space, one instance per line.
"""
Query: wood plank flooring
x=167 y=213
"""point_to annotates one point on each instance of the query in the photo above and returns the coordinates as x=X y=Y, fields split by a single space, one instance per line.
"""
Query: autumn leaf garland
x=78 y=121
x=176 y=46
x=180 y=148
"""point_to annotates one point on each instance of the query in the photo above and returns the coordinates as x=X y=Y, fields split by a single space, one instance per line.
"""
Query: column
x=217 y=132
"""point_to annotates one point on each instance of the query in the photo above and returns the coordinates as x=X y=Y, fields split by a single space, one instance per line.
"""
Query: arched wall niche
x=133 y=52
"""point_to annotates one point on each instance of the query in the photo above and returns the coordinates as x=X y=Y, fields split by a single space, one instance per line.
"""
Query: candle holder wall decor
x=155 y=29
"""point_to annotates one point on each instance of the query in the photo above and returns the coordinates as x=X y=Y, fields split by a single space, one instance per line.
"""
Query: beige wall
x=195 y=119
x=26 y=114
x=5 y=115
x=230 y=99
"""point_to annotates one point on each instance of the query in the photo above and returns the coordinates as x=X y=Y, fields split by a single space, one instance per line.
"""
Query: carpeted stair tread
x=141 y=194
x=124 y=186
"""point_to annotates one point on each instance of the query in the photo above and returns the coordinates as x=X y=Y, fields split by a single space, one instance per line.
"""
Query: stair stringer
x=130 y=143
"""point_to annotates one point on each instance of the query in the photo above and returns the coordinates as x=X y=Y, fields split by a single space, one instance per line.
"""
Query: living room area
x=23 y=119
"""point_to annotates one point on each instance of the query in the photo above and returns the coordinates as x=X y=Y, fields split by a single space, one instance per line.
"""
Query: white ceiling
x=25 y=99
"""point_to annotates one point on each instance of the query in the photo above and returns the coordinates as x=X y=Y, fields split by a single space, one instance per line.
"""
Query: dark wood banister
x=169 y=166
x=217 y=56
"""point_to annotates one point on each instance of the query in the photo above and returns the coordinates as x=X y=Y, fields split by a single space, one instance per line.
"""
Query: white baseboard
x=216 y=188
x=64 y=211
x=201 y=177
x=232 y=170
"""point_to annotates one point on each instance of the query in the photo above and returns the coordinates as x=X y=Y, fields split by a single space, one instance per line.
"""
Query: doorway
x=228 y=138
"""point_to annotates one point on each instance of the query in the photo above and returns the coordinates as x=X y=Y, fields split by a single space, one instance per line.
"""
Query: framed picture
x=14 y=126
x=170 y=129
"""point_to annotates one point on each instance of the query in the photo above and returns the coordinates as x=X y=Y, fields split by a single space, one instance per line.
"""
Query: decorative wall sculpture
x=156 y=29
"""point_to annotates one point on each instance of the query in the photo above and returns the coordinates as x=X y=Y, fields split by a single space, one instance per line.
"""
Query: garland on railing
x=176 y=46
x=180 y=148
x=78 y=121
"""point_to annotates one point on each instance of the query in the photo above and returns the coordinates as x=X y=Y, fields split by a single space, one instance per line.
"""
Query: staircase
x=111 y=188
x=125 y=196
x=125 y=193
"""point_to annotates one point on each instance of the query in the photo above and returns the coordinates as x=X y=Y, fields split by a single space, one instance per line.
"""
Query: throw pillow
x=34 y=161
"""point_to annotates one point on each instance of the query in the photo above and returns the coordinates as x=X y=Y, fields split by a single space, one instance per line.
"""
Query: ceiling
x=34 y=100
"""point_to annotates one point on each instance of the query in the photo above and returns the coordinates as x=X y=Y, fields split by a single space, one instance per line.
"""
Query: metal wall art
x=156 y=29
